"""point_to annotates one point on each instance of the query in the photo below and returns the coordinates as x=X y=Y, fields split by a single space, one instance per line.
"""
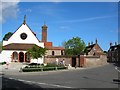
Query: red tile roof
x=17 y=46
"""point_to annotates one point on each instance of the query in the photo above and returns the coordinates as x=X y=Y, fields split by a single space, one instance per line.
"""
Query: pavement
x=98 y=77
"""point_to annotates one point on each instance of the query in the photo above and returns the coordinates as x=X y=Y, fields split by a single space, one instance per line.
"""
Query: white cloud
x=85 y=19
x=63 y=27
x=28 y=10
x=8 y=10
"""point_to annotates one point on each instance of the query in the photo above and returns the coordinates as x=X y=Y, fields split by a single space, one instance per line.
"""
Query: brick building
x=113 y=53
x=94 y=49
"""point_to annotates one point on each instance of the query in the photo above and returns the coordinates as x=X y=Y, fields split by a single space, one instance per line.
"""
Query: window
x=53 y=53
x=23 y=36
x=61 y=52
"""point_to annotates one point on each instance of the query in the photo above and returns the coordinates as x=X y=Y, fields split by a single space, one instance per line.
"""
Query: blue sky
x=87 y=20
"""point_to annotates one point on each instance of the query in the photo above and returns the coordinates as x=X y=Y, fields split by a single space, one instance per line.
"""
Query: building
x=113 y=53
x=15 y=48
x=94 y=49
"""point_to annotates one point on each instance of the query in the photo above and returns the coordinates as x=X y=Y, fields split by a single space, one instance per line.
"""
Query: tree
x=7 y=36
x=74 y=46
x=36 y=52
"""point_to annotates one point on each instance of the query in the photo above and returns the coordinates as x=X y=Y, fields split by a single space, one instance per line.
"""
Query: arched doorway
x=15 y=56
x=21 y=57
x=27 y=57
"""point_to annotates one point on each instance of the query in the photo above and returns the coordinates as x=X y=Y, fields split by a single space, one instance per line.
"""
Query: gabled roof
x=89 y=48
x=115 y=46
x=29 y=29
x=17 y=46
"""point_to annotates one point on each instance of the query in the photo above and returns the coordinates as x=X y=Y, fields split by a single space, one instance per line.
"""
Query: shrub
x=42 y=69
x=51 y=65
x=2 y=63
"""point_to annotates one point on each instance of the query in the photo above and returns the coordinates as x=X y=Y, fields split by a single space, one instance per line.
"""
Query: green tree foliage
x=7 y=36
x=36 y=52
x=74 y=46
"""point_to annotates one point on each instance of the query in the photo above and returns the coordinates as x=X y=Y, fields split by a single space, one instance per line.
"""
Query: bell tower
x=44 y=33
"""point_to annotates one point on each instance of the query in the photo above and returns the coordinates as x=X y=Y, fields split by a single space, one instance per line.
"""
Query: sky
x=65 y=20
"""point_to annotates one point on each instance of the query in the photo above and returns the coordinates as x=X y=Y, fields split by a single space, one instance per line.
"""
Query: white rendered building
x=14 y=49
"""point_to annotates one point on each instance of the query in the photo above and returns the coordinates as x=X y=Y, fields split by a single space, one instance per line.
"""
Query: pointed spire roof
x=96 y=41
x=44 y=26
x=24 y=22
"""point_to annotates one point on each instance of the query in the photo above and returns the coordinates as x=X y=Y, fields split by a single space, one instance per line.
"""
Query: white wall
x=6 y=56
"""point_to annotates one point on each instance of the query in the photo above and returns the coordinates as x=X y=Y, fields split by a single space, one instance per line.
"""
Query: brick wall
x=52 y=59
x=85 y=61
x=92 y=61
x=56 y=52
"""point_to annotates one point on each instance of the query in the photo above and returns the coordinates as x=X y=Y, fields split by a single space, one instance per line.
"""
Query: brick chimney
x=96 y=41
x=92 y=43
x=44 y=33
x=88 y=43
x=110 y=44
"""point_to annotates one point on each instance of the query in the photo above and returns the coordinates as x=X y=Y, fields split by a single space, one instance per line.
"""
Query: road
x=99 y=77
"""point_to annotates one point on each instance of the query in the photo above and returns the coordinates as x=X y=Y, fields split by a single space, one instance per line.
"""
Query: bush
x=2 y=63
x=42 y=69
x=51 y=65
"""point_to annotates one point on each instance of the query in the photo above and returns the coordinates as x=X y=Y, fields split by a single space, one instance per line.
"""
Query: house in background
x=113 y=53
x=15 y=48
x=94 y=49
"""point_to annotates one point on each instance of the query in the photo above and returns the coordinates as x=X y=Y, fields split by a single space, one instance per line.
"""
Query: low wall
x=93 y=61
x=50 y=59
x=85 y=61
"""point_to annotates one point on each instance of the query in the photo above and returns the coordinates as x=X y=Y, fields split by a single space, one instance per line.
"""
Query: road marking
x=117 y=68
x=55 y=85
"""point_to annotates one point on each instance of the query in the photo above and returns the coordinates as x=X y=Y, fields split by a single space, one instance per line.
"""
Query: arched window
x=15 y=56
x=53 y=53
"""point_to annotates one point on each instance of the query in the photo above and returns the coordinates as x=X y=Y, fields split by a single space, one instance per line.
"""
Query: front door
x=73 y=61
x=21 y=57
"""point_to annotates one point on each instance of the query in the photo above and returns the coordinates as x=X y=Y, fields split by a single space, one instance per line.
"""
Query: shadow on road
x=17 y=85
x=116 y=81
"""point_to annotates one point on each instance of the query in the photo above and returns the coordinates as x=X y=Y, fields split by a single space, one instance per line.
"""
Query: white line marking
x=41 y=83
x=117 y=68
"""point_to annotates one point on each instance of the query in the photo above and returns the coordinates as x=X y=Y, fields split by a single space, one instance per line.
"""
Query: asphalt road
x=100 y=77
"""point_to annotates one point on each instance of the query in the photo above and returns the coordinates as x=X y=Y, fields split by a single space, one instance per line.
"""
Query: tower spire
x=96 y=41
x=24 y=22
x=44 y=22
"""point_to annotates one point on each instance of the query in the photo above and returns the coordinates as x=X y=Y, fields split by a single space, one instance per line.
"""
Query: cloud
x=85 y=19
x=28 y=10
x=8 y=10
x=63 y=27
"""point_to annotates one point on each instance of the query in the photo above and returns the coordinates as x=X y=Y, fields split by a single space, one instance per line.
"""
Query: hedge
x=2 y=63
x=42 y=69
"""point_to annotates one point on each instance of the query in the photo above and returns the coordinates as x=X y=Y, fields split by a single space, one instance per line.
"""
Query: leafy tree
x=86 y=51
x=105 y=52
x=7 y=36
x=36 y=52
x=74 y=46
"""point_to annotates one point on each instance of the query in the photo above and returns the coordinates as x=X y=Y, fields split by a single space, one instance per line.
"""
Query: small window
x=61 y=52
x=53 y=53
